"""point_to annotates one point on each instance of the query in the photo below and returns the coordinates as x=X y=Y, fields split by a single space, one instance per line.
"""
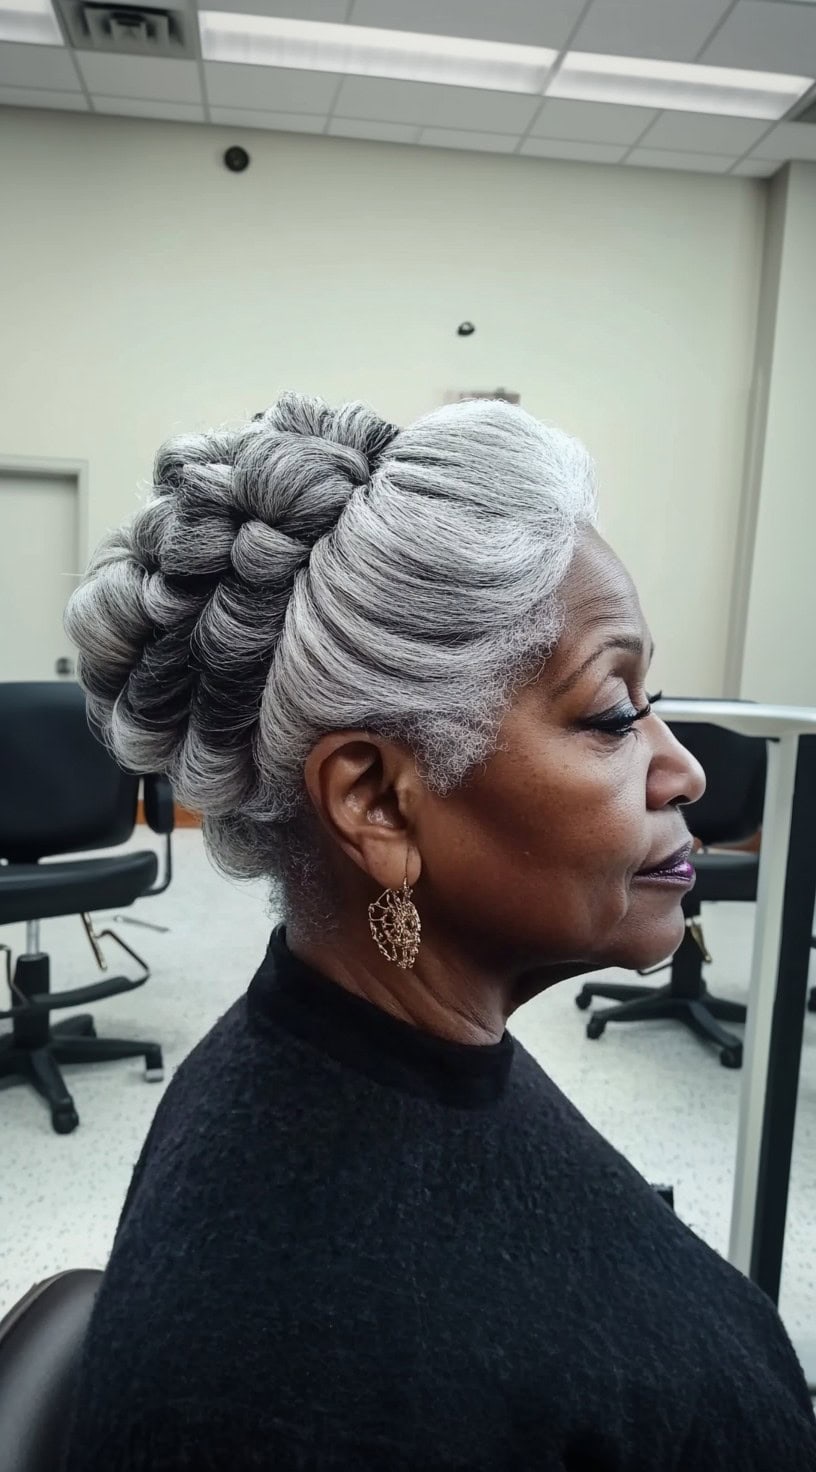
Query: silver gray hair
x=315 y=570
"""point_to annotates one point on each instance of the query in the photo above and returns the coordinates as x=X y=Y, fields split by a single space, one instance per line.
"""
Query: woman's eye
x=620 y=721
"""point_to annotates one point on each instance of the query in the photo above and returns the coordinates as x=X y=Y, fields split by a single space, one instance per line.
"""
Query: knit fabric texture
x=349 y=1246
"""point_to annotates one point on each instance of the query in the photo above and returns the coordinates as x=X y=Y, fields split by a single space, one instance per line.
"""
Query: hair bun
x=179 y=615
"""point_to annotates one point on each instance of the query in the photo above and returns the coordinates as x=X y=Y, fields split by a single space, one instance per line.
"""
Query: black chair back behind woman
x=41 y=1340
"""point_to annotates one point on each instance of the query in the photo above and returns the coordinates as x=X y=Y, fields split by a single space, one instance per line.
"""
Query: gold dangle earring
x=395 y=924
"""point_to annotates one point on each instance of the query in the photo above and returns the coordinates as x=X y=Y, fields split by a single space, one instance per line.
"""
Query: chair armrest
x=158 y=803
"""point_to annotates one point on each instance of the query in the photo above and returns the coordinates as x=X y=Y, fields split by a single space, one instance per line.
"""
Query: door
x=39 y=567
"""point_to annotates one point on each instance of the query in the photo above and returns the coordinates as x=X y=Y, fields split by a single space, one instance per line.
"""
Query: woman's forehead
x=598 y=590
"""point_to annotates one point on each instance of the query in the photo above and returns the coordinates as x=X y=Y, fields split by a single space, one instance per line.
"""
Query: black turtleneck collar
x=287 y=993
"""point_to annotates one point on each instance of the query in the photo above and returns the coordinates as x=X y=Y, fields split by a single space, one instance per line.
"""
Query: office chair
x=61 y=792
x=729 y=812
x=40 y=1349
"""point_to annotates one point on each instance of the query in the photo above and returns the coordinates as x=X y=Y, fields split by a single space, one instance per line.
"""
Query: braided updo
x=316 y=570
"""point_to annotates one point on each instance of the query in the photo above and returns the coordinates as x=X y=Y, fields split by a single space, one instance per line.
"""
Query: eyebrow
x=628 y=642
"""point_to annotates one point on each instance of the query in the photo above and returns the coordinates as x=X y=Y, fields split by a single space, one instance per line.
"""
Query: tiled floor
x=659 y=1095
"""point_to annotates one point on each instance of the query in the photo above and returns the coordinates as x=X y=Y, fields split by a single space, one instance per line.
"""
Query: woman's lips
x=682 y=876
x=676 y=870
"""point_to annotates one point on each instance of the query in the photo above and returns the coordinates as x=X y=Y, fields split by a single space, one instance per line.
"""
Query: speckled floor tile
x=657 y=1093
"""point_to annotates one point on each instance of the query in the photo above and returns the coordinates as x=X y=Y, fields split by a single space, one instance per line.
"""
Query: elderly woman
x=398 y=671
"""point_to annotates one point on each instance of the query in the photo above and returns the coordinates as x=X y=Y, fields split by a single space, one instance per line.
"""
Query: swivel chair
x=62 y=793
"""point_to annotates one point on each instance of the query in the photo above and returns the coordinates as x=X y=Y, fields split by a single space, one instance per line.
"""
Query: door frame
x=43 y=465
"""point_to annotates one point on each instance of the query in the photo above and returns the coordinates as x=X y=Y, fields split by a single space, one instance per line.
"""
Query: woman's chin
x=652 y=942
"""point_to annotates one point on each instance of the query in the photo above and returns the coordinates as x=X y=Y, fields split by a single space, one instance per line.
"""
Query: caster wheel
x=65 y=1119
x=731 y=1057
x=583 y=1000
x=595 y=1027
x=154 y=1065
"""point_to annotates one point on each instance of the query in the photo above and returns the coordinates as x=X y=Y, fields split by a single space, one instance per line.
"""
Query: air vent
x=133 y=30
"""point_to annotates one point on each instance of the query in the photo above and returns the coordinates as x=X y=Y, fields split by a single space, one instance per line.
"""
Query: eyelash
x=621 y=723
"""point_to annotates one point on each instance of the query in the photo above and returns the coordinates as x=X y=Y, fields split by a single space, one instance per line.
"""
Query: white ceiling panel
x=592 y=122
x=285 y=122
x=41 y=67
x=379 y=132
x=435 y=106
x=757 y=168
x=478 y=142
x=33 y=97
x=692 y=163
x=140 y=76
x=531 y=22
x=333 y=11
x=771 y=37
x=789 y=140
x=696 y=132
x=587 y=153
x=136 y=107
x=673 y=30
x=269 y=88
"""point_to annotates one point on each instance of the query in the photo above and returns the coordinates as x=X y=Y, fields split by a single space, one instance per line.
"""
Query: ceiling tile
x=140 y=76
x=674 y=30
x=771 y=37
x=33 y=97
x=137 y=107
x=693 y=163
x=478 y=142
x=526 y=21
x=379 y=132
x=37 y=66
x=592 y=122
x=588 y=153
x=695 y=132
x=333 y=11
x=435 y=106
x=758 y=168
x=789 y=140
x=280 y=122
x=269 y=88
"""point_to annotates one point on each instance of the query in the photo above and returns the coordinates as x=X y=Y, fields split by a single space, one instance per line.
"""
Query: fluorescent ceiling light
x=586 y=77
x=29 y=20
x=364 y=51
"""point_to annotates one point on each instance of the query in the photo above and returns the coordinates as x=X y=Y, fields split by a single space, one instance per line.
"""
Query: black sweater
x=348 y=1245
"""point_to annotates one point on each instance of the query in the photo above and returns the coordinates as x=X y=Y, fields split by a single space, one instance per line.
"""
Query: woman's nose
x=676 y=777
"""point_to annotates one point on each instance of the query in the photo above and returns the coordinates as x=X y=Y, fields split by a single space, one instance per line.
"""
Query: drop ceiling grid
x=717 y=32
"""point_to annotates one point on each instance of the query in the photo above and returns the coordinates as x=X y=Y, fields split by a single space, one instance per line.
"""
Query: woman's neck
x=439 y=997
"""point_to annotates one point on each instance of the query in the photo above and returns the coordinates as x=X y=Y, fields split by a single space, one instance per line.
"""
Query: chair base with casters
x=686 y=997
x=35 y=1048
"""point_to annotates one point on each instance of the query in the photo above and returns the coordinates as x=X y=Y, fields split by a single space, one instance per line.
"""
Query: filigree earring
x=395 y=924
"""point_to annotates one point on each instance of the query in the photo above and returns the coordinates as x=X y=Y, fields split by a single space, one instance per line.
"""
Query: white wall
x=779 y=658
x=146 y=290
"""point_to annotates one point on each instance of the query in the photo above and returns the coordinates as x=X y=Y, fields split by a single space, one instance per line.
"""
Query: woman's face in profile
x=542 y=849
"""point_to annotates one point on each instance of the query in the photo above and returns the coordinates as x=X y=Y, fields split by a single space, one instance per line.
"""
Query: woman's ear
x=364 y=790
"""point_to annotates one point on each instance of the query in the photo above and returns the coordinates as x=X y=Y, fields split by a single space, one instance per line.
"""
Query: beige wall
x=146 y=290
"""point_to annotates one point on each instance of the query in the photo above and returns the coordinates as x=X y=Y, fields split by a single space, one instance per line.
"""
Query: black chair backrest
x=60 y=790
x=731 y=808
x=41 y=1340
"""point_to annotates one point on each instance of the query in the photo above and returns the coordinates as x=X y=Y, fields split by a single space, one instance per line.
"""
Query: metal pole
x=32 y=937
x=779 y=1115
x=776 y=821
